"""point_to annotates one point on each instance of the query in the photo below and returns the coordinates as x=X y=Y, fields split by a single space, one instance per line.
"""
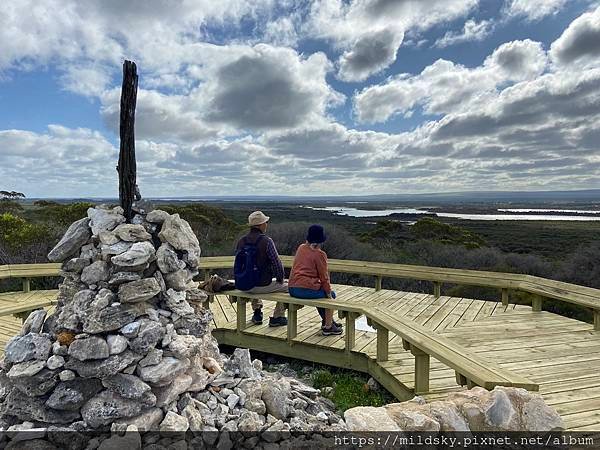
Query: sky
x=312 y=97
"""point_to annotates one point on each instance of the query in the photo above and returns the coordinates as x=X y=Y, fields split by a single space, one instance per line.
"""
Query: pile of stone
x=129 y=347
x=503 y=409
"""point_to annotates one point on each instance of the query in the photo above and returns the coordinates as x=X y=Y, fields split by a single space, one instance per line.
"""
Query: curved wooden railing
x=470 y=369
x=538 y=287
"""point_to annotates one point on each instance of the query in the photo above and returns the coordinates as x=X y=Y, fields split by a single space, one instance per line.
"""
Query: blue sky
x=302 y=97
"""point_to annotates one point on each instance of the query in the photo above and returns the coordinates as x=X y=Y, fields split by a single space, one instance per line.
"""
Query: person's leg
x=279 y=311
x=257 y=303
x=313 y=294
x=257 y=317
x=328 y=318
x=322 y=314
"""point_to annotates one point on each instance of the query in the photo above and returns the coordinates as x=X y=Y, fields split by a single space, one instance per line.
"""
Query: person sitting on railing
x=270 y=267
x=309 y=277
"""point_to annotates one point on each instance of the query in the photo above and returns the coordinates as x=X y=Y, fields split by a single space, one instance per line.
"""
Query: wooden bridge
x=425 y=344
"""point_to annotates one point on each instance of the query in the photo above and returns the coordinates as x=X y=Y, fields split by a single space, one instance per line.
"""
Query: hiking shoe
x=257 y=317
x=277 y=321
x=333 y=329
x=339 y=325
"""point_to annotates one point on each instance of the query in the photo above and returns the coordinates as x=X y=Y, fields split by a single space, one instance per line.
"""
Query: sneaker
x=339 y=325
x=333 y=329
x=257 y=317
x=278 y=321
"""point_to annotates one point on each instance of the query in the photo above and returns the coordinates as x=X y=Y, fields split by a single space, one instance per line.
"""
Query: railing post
x=26 y=285
x=461 y=380
x=422 y=364
x=382 y=342
x=292 y=326
x=596 y=320
x=505 y=296
x=536 y=303
x=241 y=314
x=378 y=280
x=437 y=289
x=350 y=331
x=211 y=297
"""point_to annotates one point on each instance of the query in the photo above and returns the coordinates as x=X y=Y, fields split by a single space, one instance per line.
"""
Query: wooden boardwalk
x=558 y=353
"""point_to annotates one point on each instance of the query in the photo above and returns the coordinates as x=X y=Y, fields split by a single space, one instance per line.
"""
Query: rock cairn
x=129 y=348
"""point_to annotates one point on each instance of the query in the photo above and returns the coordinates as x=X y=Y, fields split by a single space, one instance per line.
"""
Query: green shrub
x=62 y=216
x=349 y=389
x=434 y=230
x=10 y=206
x=16 y=233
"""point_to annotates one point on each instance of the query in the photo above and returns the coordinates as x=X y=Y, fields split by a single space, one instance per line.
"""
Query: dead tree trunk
x=127 y=164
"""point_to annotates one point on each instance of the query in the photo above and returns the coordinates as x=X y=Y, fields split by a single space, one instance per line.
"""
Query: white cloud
x=245 y=89
x=160 y=117
x=270 y=87
x=369 y=32
x=88 y=81
x=580 y=42
x=282 y=32
x=538 y=133
x=62 y=161
x=156 y=33
x=533 y=9
x=321 y=143
x=370 y=54
x=445 y=87
x=472 y=31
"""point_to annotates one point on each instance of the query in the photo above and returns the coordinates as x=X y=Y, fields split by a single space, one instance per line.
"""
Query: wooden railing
x=470 y=369
x=28 y=271
x=538 y=287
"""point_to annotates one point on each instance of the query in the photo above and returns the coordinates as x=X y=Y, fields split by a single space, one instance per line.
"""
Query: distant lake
x=355 y=212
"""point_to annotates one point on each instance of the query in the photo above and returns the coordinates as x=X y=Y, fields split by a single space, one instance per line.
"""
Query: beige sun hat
x=257 y=218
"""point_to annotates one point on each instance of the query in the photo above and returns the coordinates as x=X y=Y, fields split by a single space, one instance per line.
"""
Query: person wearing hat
x=309 y=277
x=271 y=268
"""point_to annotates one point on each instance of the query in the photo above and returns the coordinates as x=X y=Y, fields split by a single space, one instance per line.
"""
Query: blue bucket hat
x=316 y=234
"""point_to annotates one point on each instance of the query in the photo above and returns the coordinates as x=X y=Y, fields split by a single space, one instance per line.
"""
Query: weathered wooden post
x=127 y=164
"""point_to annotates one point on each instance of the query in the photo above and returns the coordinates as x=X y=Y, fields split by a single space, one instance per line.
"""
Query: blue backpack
x=245 y=268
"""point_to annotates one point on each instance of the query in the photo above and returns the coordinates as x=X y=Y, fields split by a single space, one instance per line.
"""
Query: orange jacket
x=310 y=269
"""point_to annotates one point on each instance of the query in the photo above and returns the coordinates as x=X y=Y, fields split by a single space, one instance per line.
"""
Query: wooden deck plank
x=472 y=311
x=452 y=319
x=442 y=313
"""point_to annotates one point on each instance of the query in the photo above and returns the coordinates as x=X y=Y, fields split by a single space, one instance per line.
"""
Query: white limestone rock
x=174 y=422
x=74 y=238
x=369 y=418
x=136 y=258
x=116 y=344
x=103 y=219
x=132 y=233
